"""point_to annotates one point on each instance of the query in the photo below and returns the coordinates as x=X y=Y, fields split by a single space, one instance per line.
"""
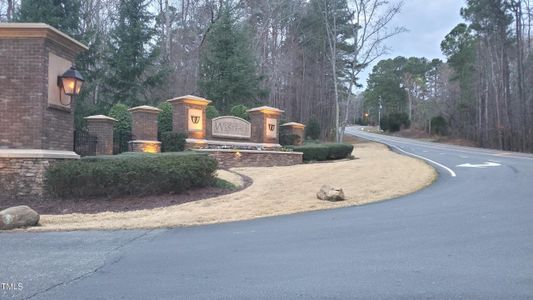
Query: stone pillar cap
x=39 y=30
x=100 y=118
x=190 y=99
x=145 y=108
x=294 y=124
x=266 y=109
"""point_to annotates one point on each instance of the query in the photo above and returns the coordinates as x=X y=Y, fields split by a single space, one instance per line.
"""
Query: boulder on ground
x=18 y=216
x=330 y=193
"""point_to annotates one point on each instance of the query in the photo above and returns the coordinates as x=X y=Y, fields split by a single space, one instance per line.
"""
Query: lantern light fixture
x=70 y=83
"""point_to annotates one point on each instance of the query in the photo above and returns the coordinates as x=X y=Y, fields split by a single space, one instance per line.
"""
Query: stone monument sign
x=231 y=127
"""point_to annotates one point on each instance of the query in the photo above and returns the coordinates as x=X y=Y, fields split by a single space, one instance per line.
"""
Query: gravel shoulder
x=376 y=174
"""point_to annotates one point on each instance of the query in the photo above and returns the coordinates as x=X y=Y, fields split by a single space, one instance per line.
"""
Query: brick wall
x=249 y=158
x=144 y=126
x=22 y=92
x=25 y=118
x=103 y=131
x=179 y=117
x=258 y=120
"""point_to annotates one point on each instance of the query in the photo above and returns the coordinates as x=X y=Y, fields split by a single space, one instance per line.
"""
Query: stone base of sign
x=22 y=172
x=252 y=158
x=145 y=146
x=213 y=144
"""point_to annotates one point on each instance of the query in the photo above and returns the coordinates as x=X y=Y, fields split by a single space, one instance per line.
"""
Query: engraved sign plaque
x=231 y=127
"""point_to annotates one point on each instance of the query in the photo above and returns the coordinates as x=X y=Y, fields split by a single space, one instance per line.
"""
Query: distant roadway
x=467 y=236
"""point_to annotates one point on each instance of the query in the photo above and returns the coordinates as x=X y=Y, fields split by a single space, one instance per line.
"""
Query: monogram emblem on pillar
x=195 y=119
x=271 y=127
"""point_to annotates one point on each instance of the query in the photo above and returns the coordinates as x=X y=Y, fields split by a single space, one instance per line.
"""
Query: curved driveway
x=465 y=237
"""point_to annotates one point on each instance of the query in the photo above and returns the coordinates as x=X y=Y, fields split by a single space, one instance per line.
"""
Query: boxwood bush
x=339 y=151
x=130 y=174
x=321 y=152
x=173 y=141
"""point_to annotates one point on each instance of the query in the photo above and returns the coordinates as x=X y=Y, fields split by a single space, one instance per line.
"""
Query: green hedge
x=339 y=151
x=320 y=152
x=173 y=141
x=130 y=174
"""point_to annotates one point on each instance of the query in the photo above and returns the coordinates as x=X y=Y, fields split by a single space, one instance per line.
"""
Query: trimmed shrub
x=240 y=111
x=173 y=141
x=312 y=130
x=164 y=119
x=317 y=152
x=289 y=139
x=339 y=151
x=211 y=112
x=321 y=152
x=122 y=129
x=120 y=112
x=130 y=174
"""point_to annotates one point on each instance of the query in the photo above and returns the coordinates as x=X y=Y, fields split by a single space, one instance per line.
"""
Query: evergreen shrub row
x=130 y=174
x=321 y=152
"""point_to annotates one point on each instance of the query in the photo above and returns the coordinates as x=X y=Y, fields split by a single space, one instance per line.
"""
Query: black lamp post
x=70 y=83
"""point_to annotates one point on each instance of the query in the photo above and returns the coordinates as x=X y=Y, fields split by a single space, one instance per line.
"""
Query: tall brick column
x=144 y=129
x=36 y=118
x=101 y=127
x=293 y=128
x=265 y=125
x=188 y=116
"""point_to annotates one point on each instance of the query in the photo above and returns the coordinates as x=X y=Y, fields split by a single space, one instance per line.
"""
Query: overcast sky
x=427 y=22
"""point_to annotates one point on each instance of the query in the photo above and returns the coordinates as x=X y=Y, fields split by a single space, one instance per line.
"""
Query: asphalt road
x=468 y=236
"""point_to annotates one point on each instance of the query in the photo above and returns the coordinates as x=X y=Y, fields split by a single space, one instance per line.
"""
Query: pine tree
x=63 y=15
x=131 y=54
x=227 y=68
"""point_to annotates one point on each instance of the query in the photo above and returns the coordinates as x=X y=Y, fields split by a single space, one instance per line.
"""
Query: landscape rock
x=17 y=217
x=330 y=193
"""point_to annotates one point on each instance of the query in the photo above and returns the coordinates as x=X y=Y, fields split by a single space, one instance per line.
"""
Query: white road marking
x=479 y=166
x=452 y=173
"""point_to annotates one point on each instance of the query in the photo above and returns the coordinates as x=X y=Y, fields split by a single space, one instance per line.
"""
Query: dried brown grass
x=377 y=174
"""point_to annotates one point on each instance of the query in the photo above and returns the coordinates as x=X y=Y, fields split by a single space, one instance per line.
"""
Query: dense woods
x=301 y=56
x=483 y=92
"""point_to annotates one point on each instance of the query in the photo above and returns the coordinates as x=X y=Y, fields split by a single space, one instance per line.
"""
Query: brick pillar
x=36 y=118
x=144 y=129
x=296 y=129
x=101 y=127
x=188 y=116
x=265 y=125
